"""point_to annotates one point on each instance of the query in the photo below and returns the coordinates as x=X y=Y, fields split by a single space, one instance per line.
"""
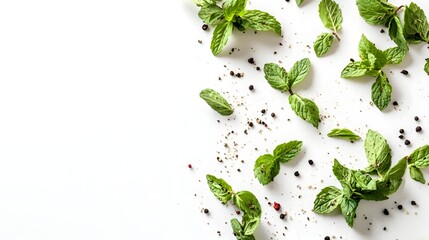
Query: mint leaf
x=426 y=67
x=343 y=133
x=266 y=168
x=287 y=151
x=377 y=152
x=392 y=179
x=417 y=174
x=298 y=72
x=341 y=172
x=395 y=55
x=364 y=182
x=216 y=102
x=237 y=229
x=330 y=14
x=276 y=76
x=299 y=2
x=323 y=43
x=367 y=48
x=381 y=91
x=354 y=69
x=375 y=11
x=327 y=200
x=348 y=209
x=305 y=108
x=396 y=33
x=219 y=188
x=211 y=14
x=250 y=223
x=260 y=21
x=416 y=26
x=233 y=8
x=248 y=203
x=420 y=157
x=220 y=37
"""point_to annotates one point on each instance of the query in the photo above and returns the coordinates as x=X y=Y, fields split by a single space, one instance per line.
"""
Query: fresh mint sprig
x=371 y=64
x=233 y=14
x=360 y=185
x=332 y=18
x=416 y=161
x=243 y=200
x=279 y=79
x=380 y=12
x=267 y=166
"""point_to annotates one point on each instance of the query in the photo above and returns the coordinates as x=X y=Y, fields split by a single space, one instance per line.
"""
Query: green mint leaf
x=250 y=223
x=204 y=3
x=417 y=174
x=416 y=26
x=395 y=55
x=396 y=33
x=393 y=178
x=367 y=48
x=305 y=108
x=298 y=72
x=377 y=152
x=323 y=43
x=426 y=67
x=260 y=21
x=341 y=172
x=348 y=209
x=266 y=168
x=343 y=133
x=211 y=14
x=381 y=91
x=248 y=203
x=287 y=151
x=219 y=188
x=220 y=37
x=299 y=2
x=330 y=14
x=276 y=76
x=232 y=8
x=420 y=157
x=355 y=69
x=216 y=102
x=327 y=200
x=376 y=12
x=364 y=182
x=237 y=229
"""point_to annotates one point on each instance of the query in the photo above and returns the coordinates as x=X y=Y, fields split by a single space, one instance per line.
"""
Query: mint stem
x=291 y=92
x=336 y=36
x=399 y=8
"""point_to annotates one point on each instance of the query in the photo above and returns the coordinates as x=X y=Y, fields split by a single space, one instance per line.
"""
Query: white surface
x=100 y=116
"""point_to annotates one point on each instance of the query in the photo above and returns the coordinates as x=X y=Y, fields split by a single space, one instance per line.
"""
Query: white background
x=100 y=116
